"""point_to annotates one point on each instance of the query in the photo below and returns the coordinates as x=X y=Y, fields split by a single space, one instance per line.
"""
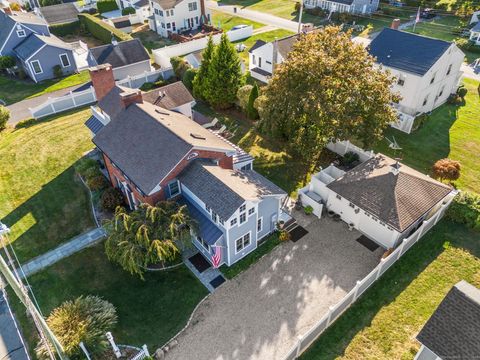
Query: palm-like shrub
x=148 y=235
x=85 y=319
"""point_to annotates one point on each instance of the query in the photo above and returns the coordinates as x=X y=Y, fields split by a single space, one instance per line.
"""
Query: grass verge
x=226 y=21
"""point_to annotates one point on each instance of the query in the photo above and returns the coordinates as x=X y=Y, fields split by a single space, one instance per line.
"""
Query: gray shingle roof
x=146 y=142
x=226 y=190
x=453 y=331
x=8 y=21
x=169 y=96
x=168 y=4
x=398 y=200
x=60 y=13
x=258 y=43
x=121 y=22
x=34 y=42
x=406 y=51
x=124 y=53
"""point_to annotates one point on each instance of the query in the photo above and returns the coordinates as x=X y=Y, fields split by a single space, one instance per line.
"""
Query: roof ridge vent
x=198 y=136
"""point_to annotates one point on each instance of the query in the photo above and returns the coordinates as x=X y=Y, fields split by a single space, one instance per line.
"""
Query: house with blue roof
x=26 y=37
x=426 y=71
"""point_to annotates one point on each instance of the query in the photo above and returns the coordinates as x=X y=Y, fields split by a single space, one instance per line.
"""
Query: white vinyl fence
x=142 y=354
x=335 y=311
x=162 y=56
x=136 y=81
x=64 y=103
x=343 y=147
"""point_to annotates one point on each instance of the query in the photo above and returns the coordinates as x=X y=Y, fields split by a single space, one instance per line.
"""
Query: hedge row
x=465 y=209
x=106 y=6
x=65 y=29
x=101 y=30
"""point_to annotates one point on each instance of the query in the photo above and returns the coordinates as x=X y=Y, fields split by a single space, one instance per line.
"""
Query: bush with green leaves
x=106 y=6
x=179 y=65
x=128 y=11
x=49 y=2
x=148 y=235
x=243 y=95
x=252 y=112
x=85 y=319
x=284 y=236
x=96 y=183
x=188 y=78
x=57 y=71
x=147 y=86
x=465 y=209
x=111 y=198
x=100 y=29
x=4 y=117
x=85 y=164
x=65 y=28
x=308 y=210
x=349 y=159
x=462 y=92
x=7 y=62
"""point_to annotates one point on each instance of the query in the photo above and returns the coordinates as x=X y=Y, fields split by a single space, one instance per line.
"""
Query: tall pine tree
x=224 y=76
x=199 y=82
x=252 y=113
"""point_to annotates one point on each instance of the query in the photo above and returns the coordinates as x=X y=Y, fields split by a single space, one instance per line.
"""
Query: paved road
x=19 y=111
x=12 y=346
x=255 y=16
x=259 y=314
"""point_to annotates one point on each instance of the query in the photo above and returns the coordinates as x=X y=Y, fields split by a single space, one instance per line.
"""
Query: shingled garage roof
x=226 y=190
x=60 y=13
x=124 y=53
x=398 y=200
x=169 y=96
x=146 y=142
x=453 y=331
x=405 y=51
x=121 y=22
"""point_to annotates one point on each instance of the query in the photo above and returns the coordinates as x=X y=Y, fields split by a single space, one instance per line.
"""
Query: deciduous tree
x=446 y=169
x=327 y=88
x=252 y=113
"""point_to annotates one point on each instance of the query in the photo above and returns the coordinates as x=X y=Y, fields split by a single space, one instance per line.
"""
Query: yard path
x=260 y=313
x=66 y=249
x=253 y=15
x=20 y=110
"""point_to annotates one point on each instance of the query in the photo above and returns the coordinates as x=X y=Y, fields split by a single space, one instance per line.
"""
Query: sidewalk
x=71 y=247
x=257 y=16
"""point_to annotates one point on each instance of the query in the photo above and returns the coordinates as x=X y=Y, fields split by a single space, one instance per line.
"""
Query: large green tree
x=200 y=80
x=224 y=75
x=85 y=319
x=148 y=235
x=327 y=88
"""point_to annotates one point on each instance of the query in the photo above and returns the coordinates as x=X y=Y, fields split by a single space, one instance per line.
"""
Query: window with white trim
x=259 y=224
x=243 y=208
x=173 y=188
x=242 y=243
x=233 y=222
x=21 y=33
x=192 y=6
x=64 y=59
x=251 y=211
x=37 y=68
x=243 y=218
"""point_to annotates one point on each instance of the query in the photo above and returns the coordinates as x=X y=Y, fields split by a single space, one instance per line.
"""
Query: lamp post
x=300 y=17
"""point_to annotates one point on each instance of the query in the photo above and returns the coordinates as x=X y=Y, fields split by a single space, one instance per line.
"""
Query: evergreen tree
x=224 y=76
x=252 y=113
x=199 y=82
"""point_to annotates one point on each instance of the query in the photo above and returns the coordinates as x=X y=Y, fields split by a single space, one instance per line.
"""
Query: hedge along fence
x=106 y=6
x=101 y=30
x=65 y=29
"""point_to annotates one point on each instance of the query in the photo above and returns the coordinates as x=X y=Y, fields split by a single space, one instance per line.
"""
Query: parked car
x=238 y=27
x=428 y=14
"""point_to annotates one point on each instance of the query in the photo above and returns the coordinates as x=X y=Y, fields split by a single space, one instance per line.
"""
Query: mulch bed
x=369 y=244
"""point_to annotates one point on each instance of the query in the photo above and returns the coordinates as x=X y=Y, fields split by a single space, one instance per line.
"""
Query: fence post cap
x=331 y=307
x=382 y=260
x=359 y=282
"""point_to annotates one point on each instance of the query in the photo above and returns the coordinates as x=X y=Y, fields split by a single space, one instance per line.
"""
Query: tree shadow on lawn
x=55 y=214
x=334 y=341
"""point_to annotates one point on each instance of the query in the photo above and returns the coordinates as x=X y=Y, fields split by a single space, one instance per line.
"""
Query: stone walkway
x=204 y=277
x=66 y=249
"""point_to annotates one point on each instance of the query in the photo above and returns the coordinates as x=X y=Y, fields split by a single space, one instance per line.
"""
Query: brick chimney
x=102 y=79
x=395 y=24
x=203 y=15
x=130 y=97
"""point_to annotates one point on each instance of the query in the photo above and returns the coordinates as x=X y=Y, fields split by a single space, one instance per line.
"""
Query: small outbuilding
x=59 y=14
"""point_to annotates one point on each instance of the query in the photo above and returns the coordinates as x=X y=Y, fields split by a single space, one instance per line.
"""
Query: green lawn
x=451 y=131
x=151 y=40
x=12 y=90
x=270 y=243
x=149 y=312
x=227 y=21
x=383 y=323
x=40 y=198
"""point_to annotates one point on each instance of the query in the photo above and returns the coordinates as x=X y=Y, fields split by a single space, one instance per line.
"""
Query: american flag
x=217 y=256
x=417 y=19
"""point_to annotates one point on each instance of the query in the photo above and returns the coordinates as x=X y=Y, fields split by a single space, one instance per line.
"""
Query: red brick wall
x=102 y=80
x=225 y=162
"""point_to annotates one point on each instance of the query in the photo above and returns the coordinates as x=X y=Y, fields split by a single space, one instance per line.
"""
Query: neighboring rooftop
x=8 y=21
x=258 y=43
x=476 y=28
x=453 y=331
x=226 y=190
x=406 y=51
x=168 y=4
x=34 y=42
x=60 y=13
x=397 y=195
x=111 y=103
x=146 y=142
x=169 y=96
x=123 y=53
x=121 y=22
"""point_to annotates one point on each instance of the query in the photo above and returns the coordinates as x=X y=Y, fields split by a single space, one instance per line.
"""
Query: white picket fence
x=64 y=103
x=136 y=81
x=342 y=147
x=162 y=56
x=335 y=311
x=142 y=354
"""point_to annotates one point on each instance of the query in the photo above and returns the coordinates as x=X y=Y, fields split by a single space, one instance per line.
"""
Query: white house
x=350 y=6
x=174 y=97
x=475 y=34
x=173 y=16
x=427 y=70
x=452 y=332
x=142 y=7
x=381 y=198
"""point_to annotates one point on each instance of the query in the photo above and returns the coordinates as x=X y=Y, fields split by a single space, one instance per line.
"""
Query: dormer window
x=243 y=208
x=21 y=33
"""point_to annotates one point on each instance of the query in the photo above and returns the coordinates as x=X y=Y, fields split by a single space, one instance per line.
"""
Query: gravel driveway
x=260 y=313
